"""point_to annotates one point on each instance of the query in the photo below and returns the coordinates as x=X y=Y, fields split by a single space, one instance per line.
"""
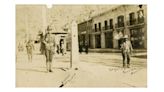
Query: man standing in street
x=30 y=48
x=126 y=49
x=49 y=50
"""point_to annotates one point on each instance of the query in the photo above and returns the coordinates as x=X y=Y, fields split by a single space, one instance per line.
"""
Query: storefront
x=109 y=40
x=137 y=38
x=98 y=41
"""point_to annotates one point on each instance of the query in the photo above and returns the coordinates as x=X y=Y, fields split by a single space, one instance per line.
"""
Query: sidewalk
x=140 y=53
x=109 y=50
x=89 y=73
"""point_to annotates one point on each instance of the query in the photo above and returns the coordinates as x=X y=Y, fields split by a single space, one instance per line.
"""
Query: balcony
x=132 y=22
x=135 y=22
x=105 y=28
x=96 y=30
x=119 y=25
x=140 y=20
x=108 y=28
x=111 y=27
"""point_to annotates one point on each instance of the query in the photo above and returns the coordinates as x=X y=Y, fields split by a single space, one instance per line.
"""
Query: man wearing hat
x=126 y=49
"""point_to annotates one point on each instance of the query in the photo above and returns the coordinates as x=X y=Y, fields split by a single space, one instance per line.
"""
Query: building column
x=145 y=31
x=74 y=46
x=102 y=40
x=92 y=41
x=145 y=36
x=65 y=45
x=27 y=26
x=115 y=40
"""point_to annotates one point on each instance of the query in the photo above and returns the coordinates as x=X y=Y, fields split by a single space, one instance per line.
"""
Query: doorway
x=98 y=41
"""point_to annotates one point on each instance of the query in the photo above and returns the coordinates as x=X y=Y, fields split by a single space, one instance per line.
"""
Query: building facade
x=107 y=28
x=84 y=33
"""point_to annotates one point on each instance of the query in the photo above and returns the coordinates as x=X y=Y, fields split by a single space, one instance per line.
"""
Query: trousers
x=49 y=55
x=126 y=57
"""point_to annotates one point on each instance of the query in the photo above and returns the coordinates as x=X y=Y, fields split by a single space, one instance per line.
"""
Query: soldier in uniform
x=126 y=49
x=29 y=48
x=49 y=50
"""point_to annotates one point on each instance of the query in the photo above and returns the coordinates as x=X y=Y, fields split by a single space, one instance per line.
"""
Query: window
x=95 y=27
x=106 y=25
x=140 y=16
x=132 y=18
x=120 y=21
x=111 y=23
x=109 y=39
x=99 y=26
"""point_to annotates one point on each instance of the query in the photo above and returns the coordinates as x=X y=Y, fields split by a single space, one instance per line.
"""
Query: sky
x=29 y=18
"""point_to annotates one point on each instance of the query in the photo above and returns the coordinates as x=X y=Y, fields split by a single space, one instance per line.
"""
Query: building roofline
x=85 y=21
x=107 y=11
x=112 y=9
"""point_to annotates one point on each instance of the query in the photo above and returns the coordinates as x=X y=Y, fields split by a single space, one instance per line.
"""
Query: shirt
x=126 y=46
x=49 y=42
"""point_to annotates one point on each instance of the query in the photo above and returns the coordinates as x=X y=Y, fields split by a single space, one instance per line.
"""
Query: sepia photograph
x=81 y=45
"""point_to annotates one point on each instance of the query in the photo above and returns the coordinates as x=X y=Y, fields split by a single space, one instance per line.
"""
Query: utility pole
x=44 y=19
x=74 y=46
x=27 y=24
x=125 y=22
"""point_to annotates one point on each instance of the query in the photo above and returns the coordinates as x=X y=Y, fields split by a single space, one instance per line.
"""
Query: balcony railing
x=135 y=21
x=96 y=30
x=118 y=25
x=140 y=20
x=108 y=27
x=132 y=22
x=105 y=28
x=111 y=27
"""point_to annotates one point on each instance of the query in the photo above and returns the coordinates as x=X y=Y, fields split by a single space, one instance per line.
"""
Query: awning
x=59 y=32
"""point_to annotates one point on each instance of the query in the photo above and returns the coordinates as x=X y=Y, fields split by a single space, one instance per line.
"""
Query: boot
x=128 y=65
x=50 y=67
x=123 y=65
x=47 y=66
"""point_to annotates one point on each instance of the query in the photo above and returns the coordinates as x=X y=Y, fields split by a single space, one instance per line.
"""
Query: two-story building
x=108 y=27
x=84 y=31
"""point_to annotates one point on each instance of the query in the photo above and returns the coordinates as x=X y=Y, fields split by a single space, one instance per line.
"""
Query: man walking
x=126 y=49
x=49 y=50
